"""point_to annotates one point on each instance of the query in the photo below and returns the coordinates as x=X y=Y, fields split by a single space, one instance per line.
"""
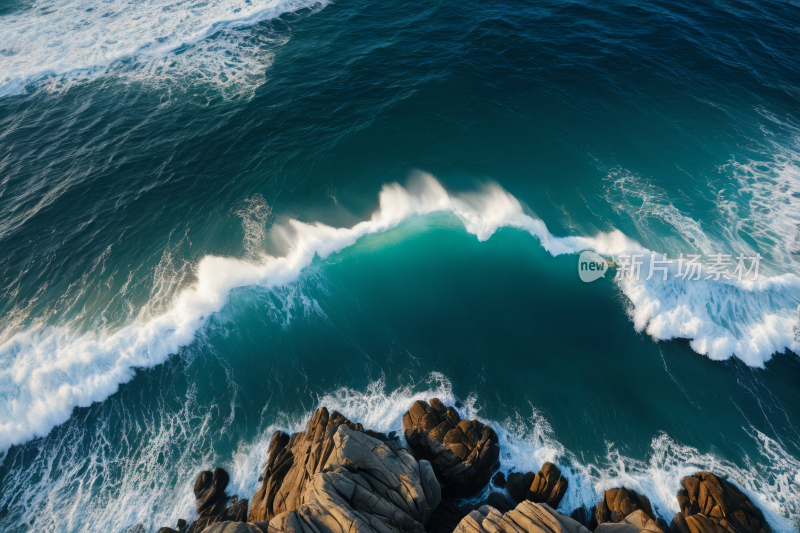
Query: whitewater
x=55 y=44
x=47 y=371
x=526 y=441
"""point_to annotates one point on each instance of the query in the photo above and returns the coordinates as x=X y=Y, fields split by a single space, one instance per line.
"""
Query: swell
x=114 y=489
x=47 y=371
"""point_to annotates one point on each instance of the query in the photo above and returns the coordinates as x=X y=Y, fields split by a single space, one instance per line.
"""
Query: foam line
x=46 y=372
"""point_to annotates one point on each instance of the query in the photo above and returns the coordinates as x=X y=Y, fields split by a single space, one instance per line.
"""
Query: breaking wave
x=47 y=371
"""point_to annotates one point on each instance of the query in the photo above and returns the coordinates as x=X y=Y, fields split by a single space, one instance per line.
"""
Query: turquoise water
x=216 y=216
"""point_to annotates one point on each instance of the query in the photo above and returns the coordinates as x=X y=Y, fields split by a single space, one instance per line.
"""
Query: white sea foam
x=756 y=207
x=184 y=41
x=766 y=203
x=46 y=372
x=757 y=213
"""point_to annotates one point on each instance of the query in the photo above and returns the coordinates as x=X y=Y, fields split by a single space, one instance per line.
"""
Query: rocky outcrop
x=181 y=527
x=293 y=461
x=546 y=486
x=619 y=503
x=337 y=477
x=365 y=485
x=527 y=517
x=232 y=527
x=710 y=504
x=213 y=504
x=462 y=452
x=637 y=521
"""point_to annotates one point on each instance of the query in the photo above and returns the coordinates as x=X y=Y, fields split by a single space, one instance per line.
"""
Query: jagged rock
x=213 y=504
x=293 y=462
x=518 y=484
x=461 y=452
x=232 y=527
x=548 y=486
x=618 y=503
x=237 y=512
x=167 y=530
x=364 y=485
x=527 y=517
x=499 y=480
x=709 y=504
x=209 y=489
x=634 y=523
x=446 y=516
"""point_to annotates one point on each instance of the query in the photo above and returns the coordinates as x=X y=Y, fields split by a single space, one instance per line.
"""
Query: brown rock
x=709 y=504
x=548 y=486
x=213 y=504
x=527 y=517
x=637 y=521
x=621 y=502
x=365 y=486
x=462 y=452
x=232 y=527
x=293 y=462
x=209 y=488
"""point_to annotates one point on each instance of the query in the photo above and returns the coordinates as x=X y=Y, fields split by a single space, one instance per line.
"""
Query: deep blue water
x=216 y=216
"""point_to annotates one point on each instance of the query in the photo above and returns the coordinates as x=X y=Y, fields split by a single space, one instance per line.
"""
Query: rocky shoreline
x=337 y=477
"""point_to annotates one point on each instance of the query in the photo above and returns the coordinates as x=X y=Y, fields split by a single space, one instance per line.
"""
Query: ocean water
x=217 y=215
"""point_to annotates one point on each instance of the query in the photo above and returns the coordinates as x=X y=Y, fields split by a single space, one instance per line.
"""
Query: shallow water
x=203 y=238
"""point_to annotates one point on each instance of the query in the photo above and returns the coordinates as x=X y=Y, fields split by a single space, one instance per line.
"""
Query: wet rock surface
x=710 y=504
x=546 y=486
x=620 y=502
x=462 y=452
x=212 y=502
